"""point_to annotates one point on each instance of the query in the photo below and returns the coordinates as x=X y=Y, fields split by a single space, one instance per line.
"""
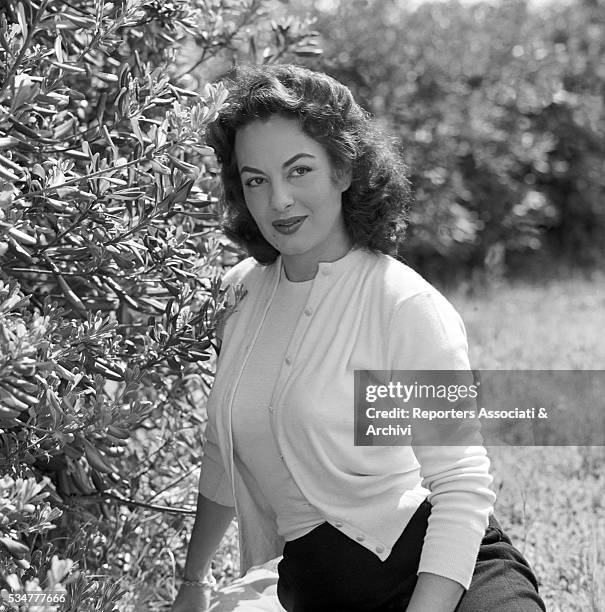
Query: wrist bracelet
x=206 y=584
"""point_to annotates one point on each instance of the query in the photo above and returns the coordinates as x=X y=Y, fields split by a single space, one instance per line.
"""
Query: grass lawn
x=551 y=500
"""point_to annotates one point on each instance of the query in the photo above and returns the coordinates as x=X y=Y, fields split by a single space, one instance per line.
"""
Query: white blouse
x=256 y=453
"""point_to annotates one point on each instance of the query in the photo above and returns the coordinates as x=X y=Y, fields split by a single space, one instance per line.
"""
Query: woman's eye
x=301 y=170
x=254 y=181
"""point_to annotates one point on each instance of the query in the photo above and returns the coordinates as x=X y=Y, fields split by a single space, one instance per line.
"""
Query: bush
x=500 y=111
x=110 y=254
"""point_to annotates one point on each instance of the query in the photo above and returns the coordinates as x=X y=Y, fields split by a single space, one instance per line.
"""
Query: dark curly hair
x=374 y=206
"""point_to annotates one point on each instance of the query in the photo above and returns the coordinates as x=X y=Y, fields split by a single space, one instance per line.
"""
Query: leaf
x=26 y=91
x=182 y=193
x=114 y=150
x=160 y=168
x=79 y=21
x=179 y=195
x=70 y=295
x=308 y=52
x=22 y=237
x=38 y=171
x=203 y=149
x=22 y=20
x=69 y=67
x=134 y=122
x=58 y=47
x=59 y=569
x=16 y=549
x=8 y=142
x=132 y=193
x=7 y=175
x=63 y=129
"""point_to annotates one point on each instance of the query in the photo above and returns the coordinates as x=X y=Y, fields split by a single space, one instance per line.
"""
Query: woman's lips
x=289 y=225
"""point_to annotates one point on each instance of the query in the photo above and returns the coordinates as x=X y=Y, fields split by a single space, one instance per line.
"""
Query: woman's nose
x=281 y=197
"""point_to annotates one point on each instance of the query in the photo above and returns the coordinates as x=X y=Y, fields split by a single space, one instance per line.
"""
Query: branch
x=66 y=231
x=209 y=52
x=173 y=483
x=101 y=497
x=73 y=181
x=24 y=48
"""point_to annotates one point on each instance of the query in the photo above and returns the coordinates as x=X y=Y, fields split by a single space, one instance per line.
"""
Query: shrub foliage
x=109 y=292
x=500 y=109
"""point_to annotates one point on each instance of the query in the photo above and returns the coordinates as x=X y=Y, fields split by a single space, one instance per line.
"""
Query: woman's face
x=293 y=194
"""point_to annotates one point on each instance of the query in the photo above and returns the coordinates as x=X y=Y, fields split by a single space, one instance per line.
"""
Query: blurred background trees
x=500 y=109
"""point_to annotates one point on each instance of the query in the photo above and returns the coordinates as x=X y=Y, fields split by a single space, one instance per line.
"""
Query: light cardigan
x=365 y=311
x=256 y=453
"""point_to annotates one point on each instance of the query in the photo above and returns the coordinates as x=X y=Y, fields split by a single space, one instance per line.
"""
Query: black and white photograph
x=302 y=306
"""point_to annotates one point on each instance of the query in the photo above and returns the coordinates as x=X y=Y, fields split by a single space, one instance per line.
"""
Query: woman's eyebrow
x=296 y=158
x=284 y=165
x=251 y=170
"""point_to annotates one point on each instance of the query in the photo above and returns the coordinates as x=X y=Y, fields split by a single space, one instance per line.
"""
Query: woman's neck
x=299 y=268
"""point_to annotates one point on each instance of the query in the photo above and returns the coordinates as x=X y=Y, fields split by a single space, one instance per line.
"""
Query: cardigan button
x=338 y=525
x=308 y=311
x=379 y=549
x=288 y=360
x=271 y=409
x=326 y=271
x=360 y=538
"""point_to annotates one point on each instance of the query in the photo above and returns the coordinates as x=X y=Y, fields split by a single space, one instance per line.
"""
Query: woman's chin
x=289 y=247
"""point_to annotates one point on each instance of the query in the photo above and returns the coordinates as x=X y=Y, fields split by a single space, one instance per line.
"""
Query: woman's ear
x=343 y=178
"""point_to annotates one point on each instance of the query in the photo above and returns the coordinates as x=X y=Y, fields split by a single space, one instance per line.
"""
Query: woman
x=318 y=196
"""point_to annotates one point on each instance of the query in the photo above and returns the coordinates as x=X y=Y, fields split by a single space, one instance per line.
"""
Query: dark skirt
x=327 y=571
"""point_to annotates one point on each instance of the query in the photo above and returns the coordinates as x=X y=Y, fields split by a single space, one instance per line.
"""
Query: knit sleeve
x=428 y=334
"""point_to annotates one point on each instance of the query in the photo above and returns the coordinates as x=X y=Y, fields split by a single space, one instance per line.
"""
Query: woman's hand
x=191 y=599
